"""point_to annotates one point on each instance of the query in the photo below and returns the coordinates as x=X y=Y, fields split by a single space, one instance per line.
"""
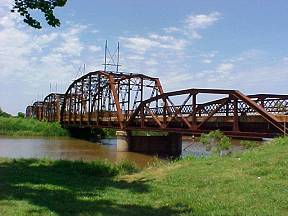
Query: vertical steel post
x=110 y=107
x=165 y=112
x=75 y=103
x=129 y=95
x=194 y=104
x=81 y=101
x=227 y=107
x=142 y=108
x=235 y=115
x=116 y=100
x=89 y=101
x=142 y=89
x=70 y=107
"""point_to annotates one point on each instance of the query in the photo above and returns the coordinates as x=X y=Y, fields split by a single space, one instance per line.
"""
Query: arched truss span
x=106 y=99
x=52 y=105
x=29 y=112
x=37 y=110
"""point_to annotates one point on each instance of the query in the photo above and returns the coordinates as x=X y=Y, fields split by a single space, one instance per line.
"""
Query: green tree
x=23 y=7
x=21 y=115
x=4 y=114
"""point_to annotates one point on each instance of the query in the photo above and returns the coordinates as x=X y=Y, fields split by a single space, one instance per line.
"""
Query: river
x=75 y=149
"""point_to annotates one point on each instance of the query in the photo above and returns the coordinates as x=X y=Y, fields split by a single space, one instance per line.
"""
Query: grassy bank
x=251 y=183
x=13 y=126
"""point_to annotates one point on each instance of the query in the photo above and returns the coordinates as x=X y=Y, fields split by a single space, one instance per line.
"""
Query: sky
x=187 y=44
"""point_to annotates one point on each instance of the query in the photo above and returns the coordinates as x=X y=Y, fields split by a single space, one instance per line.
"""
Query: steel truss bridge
x=137 y=102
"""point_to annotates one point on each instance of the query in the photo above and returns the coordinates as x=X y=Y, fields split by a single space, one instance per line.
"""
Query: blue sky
x=197 y=43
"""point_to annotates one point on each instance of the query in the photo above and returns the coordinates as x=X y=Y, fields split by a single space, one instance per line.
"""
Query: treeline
x=4 y=114
x=7 y=115
x=15 y=126
x=21 y=126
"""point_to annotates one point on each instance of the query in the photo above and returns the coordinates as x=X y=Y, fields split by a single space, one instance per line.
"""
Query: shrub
x=247 y=144
x=21 y=115
x=217 y=138
x=108 y=132
x=224 y=143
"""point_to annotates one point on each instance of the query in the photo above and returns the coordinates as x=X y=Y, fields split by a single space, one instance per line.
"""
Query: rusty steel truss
x=29 y=111
x=234 y=113
x=106 y=99
x=37 y=110
x=52 y=105
x=138 y=102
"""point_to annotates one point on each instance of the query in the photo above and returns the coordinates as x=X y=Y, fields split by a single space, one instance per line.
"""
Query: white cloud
x=31 y=59
x=285 y=60
x=171 y=29
x=6 y=3
x=94 y=48
x=207 y=61
x=193 y=23
x=225 y=68
x=208 y=57
x=143 y=44
x=200 y=21
x=71 y=44
x=95 y=31
x=168 y=54
x=248 y=55
x=169 y=51
x=137 y=44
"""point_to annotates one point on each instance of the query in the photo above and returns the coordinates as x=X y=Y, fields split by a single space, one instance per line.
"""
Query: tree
x=21 y=115
x=4 y=114
x=23 y=7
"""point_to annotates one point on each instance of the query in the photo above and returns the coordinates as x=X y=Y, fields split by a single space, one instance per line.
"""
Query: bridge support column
x=123 y=138
x=167 y=146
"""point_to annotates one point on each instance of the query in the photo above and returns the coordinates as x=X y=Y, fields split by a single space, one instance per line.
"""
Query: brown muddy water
x=75 y=149
x=68 y=149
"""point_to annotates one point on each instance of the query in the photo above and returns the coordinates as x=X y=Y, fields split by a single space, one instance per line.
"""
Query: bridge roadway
x=130 y=102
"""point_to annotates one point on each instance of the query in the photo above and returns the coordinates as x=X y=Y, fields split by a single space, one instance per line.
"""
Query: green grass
x=251 y=183
x=13 y=126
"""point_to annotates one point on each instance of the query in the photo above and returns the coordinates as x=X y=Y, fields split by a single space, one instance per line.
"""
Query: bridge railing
x=227 y=113
x=272 y=105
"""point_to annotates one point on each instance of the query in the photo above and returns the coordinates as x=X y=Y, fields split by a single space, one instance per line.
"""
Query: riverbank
x=13 y=126
x=251 y=183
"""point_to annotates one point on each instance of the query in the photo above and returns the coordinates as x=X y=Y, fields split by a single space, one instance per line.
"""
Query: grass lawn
x=251 y=183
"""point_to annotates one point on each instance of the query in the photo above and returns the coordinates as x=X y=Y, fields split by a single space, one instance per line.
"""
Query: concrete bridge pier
x=123 y=140
x=167 y=145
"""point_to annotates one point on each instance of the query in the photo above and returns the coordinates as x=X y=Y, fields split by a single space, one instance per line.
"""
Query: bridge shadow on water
x=66 y=192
